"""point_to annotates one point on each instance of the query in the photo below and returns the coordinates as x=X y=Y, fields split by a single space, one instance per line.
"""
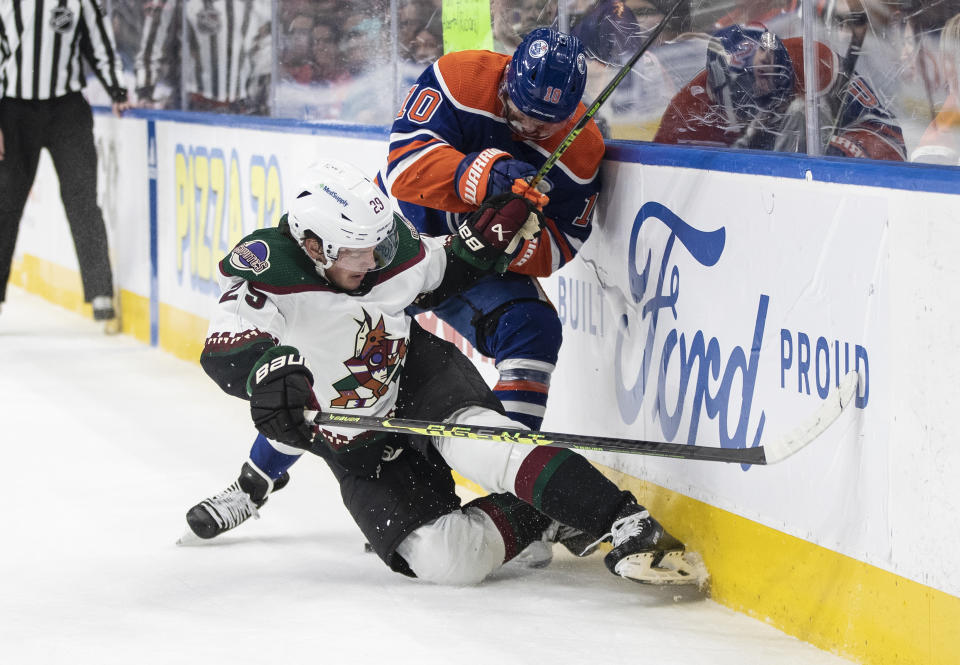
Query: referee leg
x=21 y=125
x=70 y=142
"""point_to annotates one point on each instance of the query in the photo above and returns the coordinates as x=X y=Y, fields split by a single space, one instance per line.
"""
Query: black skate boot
x=644 y=552
x=234 y=505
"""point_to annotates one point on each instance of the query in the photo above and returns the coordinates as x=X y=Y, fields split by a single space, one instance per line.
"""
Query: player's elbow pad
x=230 y=369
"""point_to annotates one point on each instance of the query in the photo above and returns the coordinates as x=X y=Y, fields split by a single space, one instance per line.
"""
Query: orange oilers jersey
x=454 y=109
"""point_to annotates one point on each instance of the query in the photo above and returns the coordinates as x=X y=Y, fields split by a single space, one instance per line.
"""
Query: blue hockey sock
x=267 y=456
x=522 y=388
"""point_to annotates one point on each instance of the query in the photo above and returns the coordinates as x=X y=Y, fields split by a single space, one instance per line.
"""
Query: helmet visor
x=368 y=259
x=527 y=126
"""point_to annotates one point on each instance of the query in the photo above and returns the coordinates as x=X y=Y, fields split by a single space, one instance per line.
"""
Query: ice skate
x=233 y=506
x=104 y=310
x=644 y=552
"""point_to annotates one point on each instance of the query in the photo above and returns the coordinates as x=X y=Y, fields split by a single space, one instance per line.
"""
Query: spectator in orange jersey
x=940 y=144
x=751 y=95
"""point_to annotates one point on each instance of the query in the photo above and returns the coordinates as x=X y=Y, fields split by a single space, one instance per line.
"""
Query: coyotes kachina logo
x=375 y=365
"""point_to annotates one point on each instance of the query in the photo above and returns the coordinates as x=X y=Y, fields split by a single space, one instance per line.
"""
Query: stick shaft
x=776 y=451
x=555 y=439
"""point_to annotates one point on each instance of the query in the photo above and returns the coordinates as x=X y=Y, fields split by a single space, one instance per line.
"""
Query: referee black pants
x=64 y=126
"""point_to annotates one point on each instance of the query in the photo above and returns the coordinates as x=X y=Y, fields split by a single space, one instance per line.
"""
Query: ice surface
x=108 y=442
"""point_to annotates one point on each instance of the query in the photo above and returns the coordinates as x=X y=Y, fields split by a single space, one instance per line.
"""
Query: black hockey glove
x=280 y=387
x=491 y=236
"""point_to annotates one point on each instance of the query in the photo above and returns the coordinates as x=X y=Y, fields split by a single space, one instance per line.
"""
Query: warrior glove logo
x=477 y=175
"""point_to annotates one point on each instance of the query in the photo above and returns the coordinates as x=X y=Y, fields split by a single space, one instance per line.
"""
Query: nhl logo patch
x=252 y=255
x=538 y=48
x=582 y=63
x=61 y=20
x=208 y=21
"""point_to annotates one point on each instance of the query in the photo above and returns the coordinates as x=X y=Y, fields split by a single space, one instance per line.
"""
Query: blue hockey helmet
x=546 y=78
x=748 y=71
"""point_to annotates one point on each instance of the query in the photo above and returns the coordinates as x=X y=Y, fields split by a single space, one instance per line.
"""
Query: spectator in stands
x=940 y=144
x=296 y=48
x=751 y=95
x=428 y=44
x=513 y=19
x=414 y=17
x=326 y=59
x=362 y=43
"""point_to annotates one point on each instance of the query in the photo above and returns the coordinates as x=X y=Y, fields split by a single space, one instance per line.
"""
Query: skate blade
x=112 y=326
x=675 y=567
x=190 y=539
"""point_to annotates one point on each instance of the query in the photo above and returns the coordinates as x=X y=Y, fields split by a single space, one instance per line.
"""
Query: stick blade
x=836 y=402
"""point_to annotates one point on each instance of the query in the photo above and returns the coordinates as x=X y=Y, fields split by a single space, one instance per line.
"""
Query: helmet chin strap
x=321 y=269
x=323 y=263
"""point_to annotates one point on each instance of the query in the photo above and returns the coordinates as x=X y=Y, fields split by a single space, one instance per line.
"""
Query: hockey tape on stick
x=777 y=451
x=601 y=98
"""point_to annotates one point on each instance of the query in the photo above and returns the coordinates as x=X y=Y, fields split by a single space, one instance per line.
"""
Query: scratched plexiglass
x=883 y=80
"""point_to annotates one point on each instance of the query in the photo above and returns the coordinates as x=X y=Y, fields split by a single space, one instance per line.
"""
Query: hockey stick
x=601 y=98
x=777 y=451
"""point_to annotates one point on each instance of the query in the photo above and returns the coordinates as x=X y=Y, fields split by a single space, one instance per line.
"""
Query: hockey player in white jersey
x=312 y=316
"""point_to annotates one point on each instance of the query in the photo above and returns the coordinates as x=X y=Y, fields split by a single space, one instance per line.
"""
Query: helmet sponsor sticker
x=336 y=197
x=582 y=63
x=252 y=255
x=538 y=48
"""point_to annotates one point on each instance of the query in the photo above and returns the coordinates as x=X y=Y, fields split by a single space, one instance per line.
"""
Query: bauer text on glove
x=280 y=387
x=491 y=236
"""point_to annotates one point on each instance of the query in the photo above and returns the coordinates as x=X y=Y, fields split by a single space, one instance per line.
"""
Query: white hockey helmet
x=342 y=208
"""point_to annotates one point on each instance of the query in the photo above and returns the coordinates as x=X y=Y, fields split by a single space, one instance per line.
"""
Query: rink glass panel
x=349 y=61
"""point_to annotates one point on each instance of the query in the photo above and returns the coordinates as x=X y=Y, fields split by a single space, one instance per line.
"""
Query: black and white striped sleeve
x=8 y=41
x=99 y=47
x=158 y=43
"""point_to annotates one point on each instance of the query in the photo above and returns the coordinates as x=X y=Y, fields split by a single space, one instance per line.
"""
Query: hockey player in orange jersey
x=476 y=124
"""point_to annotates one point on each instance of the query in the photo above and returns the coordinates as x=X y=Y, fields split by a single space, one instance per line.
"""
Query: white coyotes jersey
x=355 y=345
